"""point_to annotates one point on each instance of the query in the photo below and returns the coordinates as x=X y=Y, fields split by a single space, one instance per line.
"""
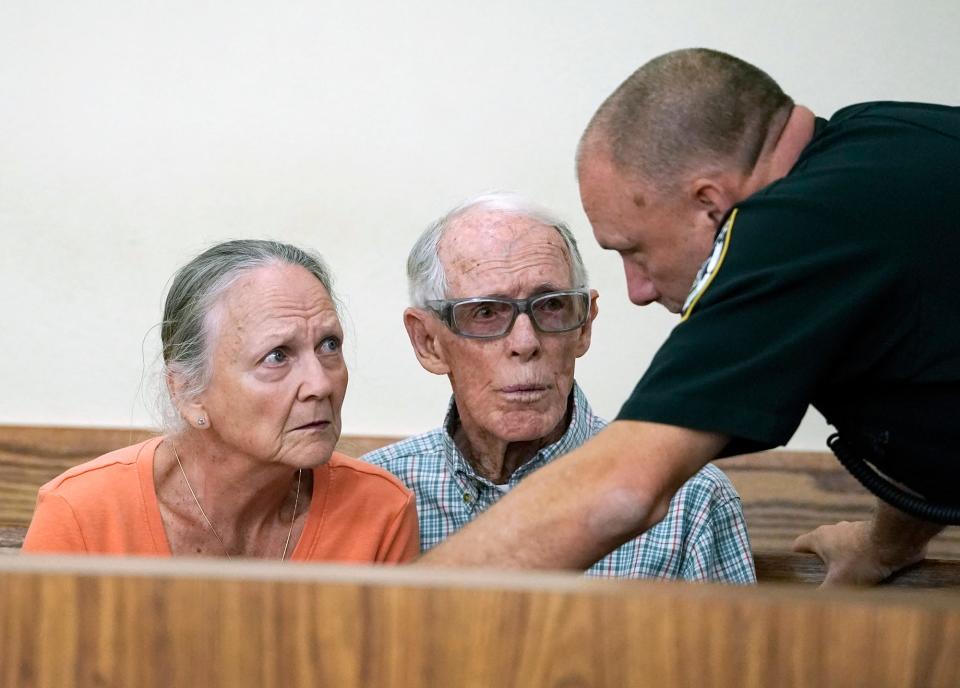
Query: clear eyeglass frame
x=445 y=309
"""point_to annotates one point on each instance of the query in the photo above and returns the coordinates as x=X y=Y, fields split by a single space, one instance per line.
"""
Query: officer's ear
x=423 y=328
x=713 y=197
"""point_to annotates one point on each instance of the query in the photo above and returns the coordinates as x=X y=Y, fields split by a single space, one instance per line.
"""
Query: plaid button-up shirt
x=703 y=536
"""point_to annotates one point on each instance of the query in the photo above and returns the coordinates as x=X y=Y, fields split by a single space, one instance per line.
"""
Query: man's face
x=662 y=238
x=514 y=387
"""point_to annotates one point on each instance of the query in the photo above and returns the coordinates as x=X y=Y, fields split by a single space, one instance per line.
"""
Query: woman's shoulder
x=364 y=475
x=117 y=466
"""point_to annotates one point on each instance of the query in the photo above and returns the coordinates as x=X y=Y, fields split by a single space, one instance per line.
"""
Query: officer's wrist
x=895 y=545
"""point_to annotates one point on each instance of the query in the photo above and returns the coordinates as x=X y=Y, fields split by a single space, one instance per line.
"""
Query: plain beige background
x=132 y=135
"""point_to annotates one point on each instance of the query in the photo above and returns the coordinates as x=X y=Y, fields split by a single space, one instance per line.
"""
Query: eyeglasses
x=487 y=317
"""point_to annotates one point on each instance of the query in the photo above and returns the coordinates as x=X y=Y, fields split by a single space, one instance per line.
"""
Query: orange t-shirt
x=359 y=513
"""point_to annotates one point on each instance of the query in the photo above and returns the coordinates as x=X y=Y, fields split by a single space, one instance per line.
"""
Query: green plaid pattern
x=703 y=536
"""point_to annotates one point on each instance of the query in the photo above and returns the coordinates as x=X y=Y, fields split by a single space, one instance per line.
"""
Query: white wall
x=132 y=135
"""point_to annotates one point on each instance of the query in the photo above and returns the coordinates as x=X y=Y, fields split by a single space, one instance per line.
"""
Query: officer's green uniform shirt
x=838 y=285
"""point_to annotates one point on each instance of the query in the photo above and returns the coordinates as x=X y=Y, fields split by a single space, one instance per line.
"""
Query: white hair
x=426 y=279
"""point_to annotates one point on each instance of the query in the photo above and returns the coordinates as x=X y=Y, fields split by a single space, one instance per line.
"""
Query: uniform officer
x=822 y=258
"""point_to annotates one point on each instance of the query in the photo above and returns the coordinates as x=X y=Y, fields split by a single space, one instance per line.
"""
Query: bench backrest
x=784 y=494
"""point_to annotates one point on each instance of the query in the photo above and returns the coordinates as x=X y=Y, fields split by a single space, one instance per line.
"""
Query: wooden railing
x=92 y=621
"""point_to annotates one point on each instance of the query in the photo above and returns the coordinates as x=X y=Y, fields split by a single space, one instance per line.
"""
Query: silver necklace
x=293 y=518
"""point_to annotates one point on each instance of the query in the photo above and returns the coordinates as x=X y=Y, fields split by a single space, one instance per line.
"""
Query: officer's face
x=663 y=239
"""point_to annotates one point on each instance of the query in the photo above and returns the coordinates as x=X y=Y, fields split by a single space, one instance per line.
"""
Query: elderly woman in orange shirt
x=255 y=372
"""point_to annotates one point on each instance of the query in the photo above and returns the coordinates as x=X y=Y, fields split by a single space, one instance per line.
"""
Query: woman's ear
x=423 y=328
x=191 y=410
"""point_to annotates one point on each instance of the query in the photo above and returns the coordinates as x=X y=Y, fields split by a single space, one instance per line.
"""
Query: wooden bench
x=784 y=494
x=78 y=622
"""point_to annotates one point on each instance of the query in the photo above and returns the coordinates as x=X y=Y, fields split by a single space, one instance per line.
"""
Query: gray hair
x=688 y=108
x=426 y=279
x=197 y=287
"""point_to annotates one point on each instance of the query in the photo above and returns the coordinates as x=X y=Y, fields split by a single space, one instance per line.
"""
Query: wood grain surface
x=807 y=569
x=128 y=622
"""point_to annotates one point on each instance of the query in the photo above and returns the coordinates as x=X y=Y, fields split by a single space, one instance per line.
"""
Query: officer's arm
x=580 y=507
x=868 y=552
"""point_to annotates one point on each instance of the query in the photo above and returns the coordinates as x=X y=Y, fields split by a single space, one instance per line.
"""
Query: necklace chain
x=293 y=518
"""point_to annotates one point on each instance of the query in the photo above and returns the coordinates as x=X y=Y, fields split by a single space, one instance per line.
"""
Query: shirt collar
x=577 y=432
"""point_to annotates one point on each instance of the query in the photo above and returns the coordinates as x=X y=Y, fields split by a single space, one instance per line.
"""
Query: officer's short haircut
x=685 y=109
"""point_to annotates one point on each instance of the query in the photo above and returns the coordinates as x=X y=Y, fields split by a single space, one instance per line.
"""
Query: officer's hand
x=852 y=555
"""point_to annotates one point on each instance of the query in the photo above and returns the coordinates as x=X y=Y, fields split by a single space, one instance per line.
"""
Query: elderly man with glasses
x=501 y=306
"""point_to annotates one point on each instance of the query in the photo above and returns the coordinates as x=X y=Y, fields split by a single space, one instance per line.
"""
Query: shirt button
x=467 y=497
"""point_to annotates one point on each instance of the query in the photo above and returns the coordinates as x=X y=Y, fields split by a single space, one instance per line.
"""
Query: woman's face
x=278 y=377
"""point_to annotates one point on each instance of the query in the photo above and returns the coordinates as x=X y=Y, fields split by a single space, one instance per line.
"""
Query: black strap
x=895 y=496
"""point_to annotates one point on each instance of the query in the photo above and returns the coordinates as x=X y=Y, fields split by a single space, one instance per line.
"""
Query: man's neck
x=781 y=150
x=496 y=459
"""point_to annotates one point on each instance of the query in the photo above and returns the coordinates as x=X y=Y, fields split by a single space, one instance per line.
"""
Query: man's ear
x=586 y=332
x=713 y=197
x=192 y=410
x=423 y=330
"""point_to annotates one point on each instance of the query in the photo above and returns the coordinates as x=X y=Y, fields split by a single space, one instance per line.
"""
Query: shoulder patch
x=710 y=267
